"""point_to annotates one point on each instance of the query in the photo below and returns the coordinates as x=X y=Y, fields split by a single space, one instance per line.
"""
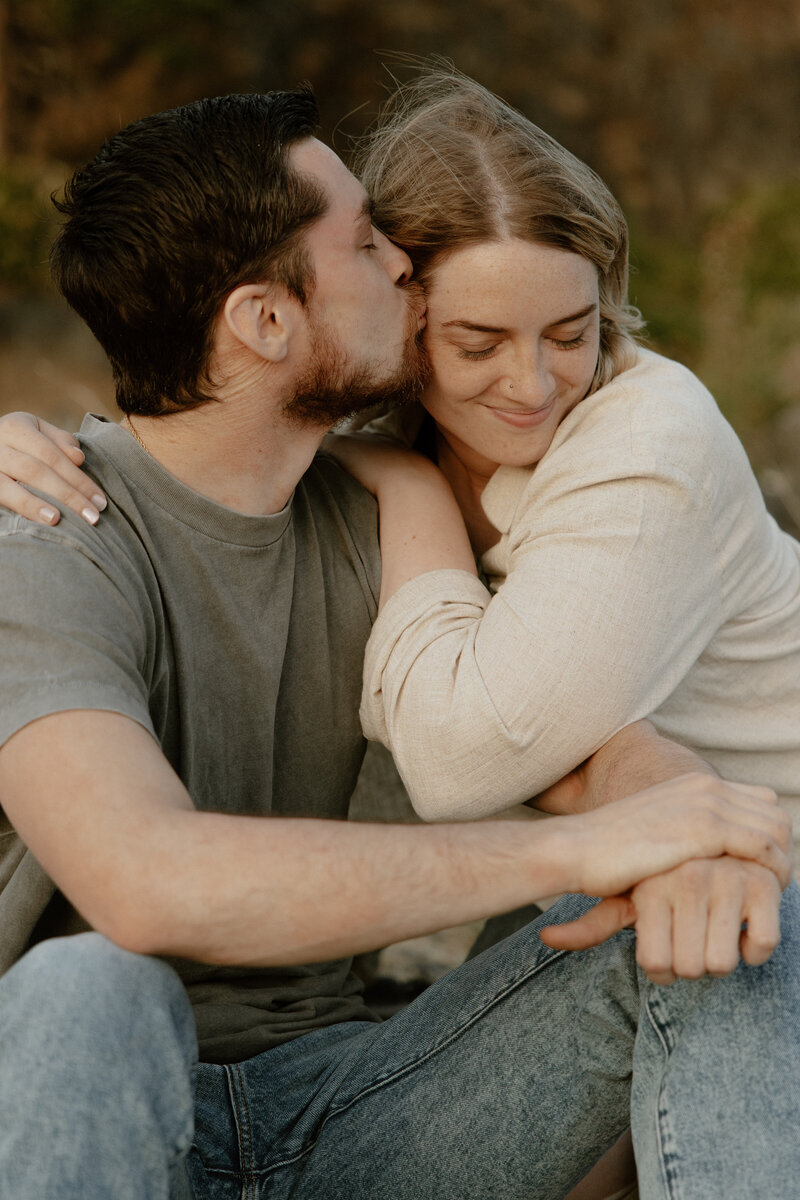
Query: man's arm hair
x=94 y=798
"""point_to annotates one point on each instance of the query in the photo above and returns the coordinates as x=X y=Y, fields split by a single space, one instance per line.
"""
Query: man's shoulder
x=74 y=565
x=79 y=620
x=111 y=546
x=330 y=485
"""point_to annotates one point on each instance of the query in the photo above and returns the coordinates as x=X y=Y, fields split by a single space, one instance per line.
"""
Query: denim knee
x=88 y=981
x=97 y=1056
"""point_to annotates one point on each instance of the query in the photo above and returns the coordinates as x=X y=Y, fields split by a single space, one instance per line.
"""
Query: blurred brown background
x=689 y=108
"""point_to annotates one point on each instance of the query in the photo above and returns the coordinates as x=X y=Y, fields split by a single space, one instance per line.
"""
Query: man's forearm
x=111 y=823
x=282 y=890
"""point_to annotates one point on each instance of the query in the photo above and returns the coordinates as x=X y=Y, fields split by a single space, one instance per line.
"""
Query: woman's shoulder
x=655 y=421
x=655 y=391
x=657 y=411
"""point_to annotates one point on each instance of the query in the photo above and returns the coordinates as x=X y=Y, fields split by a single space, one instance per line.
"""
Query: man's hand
x=40 y=455
x=689 y=921
x=693 y=816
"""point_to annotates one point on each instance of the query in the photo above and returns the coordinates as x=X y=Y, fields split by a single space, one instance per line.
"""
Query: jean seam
x=379 y=1083
x=244 y=1130
x=659 y=1023
x=183 y=1142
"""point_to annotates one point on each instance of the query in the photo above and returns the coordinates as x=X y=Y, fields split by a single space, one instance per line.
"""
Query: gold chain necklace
x=132 y=428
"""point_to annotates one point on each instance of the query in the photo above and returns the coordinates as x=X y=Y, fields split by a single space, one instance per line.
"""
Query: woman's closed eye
x=569 y=343
x=475 y=355
x=572 y=343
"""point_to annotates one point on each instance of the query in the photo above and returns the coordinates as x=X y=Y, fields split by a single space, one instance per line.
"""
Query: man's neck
x=232 y=453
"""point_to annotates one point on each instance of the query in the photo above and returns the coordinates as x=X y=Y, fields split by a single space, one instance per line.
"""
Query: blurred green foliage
x=726 y=300
x=665 y=286
x=773 y=260
x=182 y=34
x=688 y=109
x=26 y=228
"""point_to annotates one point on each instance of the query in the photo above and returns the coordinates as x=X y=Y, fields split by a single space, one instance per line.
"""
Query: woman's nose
x=530 y=381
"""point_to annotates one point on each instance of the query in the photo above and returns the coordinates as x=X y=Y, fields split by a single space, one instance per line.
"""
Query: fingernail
x=99 y=501
x=90 y=515
x=49 y=514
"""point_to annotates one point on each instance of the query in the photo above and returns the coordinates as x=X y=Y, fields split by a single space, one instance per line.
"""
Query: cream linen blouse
x=637 y=574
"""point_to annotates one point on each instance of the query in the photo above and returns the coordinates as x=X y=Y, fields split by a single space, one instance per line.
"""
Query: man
x=192 y=667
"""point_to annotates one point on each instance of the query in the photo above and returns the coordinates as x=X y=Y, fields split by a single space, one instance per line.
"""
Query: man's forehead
x=313 y=158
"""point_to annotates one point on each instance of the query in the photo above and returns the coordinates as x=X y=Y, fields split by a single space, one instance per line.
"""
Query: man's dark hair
x=175 y=212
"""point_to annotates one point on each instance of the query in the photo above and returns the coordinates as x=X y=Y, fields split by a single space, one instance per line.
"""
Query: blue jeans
x=507 y=1078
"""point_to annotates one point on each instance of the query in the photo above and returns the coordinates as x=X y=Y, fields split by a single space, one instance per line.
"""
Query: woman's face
x=513 y=337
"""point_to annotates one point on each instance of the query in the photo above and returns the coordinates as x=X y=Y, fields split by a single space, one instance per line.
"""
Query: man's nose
x=395 y=261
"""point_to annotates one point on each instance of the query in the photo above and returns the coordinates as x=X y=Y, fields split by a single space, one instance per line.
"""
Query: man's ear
x=261 y=316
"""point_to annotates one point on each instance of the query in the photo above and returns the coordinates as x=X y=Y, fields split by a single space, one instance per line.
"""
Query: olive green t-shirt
x=237 y=641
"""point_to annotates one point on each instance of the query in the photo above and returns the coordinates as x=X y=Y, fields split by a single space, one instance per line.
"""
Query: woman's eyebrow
x=584 y=312
x=473 y=327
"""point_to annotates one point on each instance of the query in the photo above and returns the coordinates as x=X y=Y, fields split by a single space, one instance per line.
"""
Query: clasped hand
x=694 y=920
x=699 y=917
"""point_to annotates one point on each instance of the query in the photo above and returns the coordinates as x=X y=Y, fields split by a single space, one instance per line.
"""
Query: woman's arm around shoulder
x=421 y=527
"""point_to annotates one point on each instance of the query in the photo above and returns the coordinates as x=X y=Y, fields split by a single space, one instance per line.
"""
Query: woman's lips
x=523 y=418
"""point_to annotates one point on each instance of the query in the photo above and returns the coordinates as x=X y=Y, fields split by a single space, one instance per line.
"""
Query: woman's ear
x=260 y=317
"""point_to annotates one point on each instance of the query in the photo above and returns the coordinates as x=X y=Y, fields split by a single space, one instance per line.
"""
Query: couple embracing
x=550 y=536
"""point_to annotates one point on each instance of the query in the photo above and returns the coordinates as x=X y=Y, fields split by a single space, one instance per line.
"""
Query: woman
x=632 y=567
x=634 y=570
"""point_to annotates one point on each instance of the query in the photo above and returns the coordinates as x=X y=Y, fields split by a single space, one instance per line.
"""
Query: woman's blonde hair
x=449 y=164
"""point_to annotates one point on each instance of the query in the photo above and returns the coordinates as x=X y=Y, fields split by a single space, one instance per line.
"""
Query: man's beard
x=332 y=389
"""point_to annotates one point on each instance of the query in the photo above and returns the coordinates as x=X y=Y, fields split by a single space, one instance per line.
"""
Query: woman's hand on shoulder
x=34 y=453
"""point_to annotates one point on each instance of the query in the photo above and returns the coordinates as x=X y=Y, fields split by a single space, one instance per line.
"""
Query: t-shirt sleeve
x=612 y=594
x=72 y=630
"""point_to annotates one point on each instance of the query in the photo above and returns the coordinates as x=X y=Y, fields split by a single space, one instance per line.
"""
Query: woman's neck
x=468 y=483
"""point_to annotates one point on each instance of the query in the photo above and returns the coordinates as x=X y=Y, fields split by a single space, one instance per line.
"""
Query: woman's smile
x=523 y=418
